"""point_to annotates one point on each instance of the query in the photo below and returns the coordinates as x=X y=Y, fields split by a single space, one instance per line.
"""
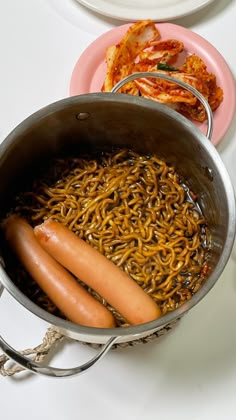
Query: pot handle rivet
x=81 y=116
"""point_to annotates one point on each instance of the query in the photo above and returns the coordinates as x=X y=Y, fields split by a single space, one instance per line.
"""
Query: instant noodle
x=134 y=209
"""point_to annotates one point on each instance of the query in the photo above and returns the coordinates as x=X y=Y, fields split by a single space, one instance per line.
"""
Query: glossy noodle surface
x=136 y=211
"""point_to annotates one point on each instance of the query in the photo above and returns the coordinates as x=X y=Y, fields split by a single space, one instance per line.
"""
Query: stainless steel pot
x=103 y=120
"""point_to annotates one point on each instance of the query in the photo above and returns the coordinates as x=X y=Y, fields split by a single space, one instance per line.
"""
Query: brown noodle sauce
x=135 y=210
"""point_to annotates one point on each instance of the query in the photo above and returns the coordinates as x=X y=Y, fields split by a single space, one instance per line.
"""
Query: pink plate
x=89 y=71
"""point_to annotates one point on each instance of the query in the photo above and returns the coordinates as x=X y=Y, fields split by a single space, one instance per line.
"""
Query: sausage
x=95 y=270
x=61 y=287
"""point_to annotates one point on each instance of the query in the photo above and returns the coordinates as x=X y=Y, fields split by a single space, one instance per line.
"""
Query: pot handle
x=186 y=86
x=46 y=370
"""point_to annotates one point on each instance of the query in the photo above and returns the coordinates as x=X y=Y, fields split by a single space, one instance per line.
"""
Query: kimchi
x=143 y=50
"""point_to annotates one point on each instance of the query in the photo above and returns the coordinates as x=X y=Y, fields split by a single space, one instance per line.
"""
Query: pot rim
x=205 y=288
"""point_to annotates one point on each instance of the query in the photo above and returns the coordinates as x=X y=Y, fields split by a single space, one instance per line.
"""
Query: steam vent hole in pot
x=134 y=209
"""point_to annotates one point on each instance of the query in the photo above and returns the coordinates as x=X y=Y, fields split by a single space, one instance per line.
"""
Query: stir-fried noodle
x=135 y=210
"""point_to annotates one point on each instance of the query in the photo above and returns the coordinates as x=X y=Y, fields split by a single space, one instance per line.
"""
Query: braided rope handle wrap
x=53 y=336
x=38 y=353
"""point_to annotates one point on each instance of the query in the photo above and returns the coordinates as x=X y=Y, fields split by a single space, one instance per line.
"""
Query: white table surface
x=189 y=374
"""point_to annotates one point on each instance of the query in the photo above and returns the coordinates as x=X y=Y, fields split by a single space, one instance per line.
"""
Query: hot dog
x=66 y=293
x=95 y=270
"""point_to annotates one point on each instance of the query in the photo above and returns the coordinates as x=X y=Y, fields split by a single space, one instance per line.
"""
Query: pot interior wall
x=101 y=121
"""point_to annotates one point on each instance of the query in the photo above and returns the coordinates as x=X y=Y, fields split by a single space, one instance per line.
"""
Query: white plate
x=158 y=10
